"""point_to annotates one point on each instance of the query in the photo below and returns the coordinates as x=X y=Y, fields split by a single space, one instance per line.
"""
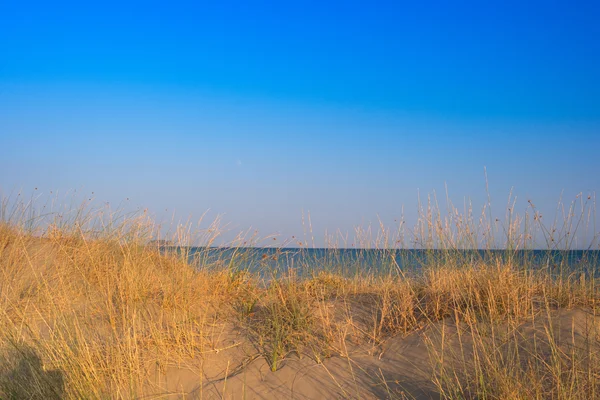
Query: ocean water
x=349 y=262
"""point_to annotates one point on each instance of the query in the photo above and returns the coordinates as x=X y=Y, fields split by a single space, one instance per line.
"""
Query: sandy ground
x=401 y=367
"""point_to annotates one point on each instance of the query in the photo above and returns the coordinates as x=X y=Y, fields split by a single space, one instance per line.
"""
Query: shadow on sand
x=23 y=376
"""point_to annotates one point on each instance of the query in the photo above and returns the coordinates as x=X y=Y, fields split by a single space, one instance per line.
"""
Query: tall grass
x=92 y=307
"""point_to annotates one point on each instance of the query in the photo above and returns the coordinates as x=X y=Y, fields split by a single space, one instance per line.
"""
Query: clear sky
x=263 y=110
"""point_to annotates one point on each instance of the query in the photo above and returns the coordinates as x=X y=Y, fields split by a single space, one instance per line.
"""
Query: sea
x=350 y=262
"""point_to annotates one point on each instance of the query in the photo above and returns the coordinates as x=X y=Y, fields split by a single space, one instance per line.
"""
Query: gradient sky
x=260 y=111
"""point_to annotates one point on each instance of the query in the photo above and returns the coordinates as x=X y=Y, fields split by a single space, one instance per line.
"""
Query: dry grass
x=103 y=315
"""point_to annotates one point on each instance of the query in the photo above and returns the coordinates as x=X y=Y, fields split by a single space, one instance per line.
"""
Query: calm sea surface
x=356 y=261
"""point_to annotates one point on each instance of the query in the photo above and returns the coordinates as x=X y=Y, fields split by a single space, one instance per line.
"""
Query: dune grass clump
x=103 y=310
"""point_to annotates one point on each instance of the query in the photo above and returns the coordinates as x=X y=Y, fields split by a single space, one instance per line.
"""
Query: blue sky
x=260 y=111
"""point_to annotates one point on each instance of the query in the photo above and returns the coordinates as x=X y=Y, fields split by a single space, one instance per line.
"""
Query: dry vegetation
x=105 y=315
